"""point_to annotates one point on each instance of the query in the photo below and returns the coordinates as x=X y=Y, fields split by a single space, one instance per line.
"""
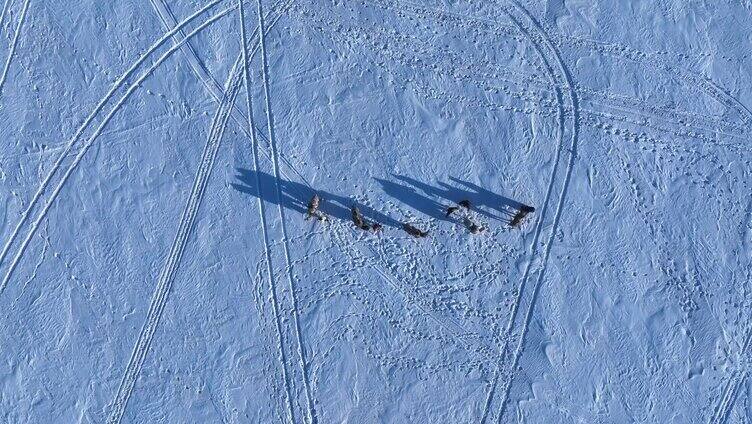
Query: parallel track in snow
x=311 y=416
x=68 y=151
x=730 y=390
x=14 y=43
x=567 y=120
x=210 y=82
x=185 y=227
x=159 y=298
x=263 y=220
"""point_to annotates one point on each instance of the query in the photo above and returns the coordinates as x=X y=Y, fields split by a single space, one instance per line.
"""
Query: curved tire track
x=87 y=122
x=728 y=398
x=525 y=303
x=211 y=84
x=159 y=298
x=167 y=275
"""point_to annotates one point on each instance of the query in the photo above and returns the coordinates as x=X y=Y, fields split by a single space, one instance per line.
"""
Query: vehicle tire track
x=286 y=247
x=13 y=44
x=87 y=122
x=728 y=398
x=206 y=78
x=691 y=79
x=165 y=281
x=3 y=12
x=168 y=19
x=262 y=216
x=528 y=296
x=564 y=41
x=84 y=148
x=383 y=273
x=731 y=390
x=458 y=334
x=185 y=226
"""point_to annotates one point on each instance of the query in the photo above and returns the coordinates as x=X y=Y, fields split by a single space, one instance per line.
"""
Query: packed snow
x=163 y=259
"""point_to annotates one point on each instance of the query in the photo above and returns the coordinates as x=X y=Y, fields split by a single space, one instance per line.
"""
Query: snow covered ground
x=156 y=266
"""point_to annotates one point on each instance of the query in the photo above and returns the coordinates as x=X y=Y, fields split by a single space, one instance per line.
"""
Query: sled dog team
x=463 y=211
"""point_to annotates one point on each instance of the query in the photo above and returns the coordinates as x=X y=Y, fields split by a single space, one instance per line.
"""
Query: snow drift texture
x=156 y=266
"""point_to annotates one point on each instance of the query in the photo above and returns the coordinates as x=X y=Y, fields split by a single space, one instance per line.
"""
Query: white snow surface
x=156 y=265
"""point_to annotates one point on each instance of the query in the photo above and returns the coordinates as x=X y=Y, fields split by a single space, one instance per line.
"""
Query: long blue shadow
x=434 y=200
x=295 y=196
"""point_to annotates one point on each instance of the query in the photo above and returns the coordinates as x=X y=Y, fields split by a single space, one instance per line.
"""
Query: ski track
x=207 y=81
x=160 y=294
x=559 y=207
x=66 y=152
x=262 y=217
x=490 y=397
x=169 y=22
x=539 y=226
x=457 y=335
x=730 y=393
x=454 y=334
x=286 y=247
x=185 y=226
x=13 y=44
x=81 y=154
